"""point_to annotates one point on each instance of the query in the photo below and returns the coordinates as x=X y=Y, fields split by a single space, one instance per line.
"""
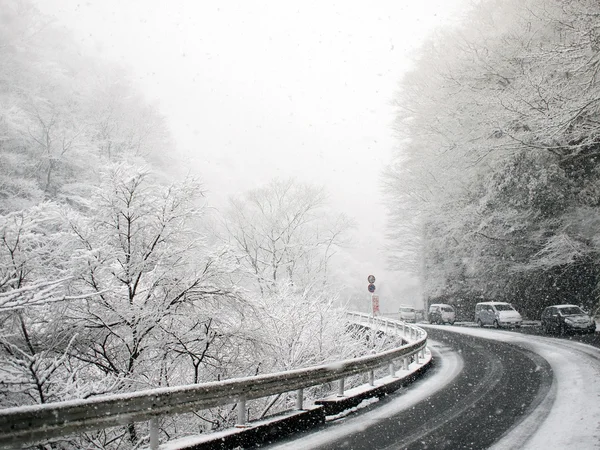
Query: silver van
x=497 y=314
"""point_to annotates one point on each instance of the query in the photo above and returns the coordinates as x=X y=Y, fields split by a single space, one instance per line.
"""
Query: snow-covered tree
x=34 y=245
x=499 y=129
x=284 y=233
x=139 y=251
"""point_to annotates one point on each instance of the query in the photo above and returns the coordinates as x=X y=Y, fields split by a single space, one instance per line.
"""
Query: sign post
x=374 y=298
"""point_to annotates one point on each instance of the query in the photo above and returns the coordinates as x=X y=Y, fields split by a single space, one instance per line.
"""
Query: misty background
x=258 y=90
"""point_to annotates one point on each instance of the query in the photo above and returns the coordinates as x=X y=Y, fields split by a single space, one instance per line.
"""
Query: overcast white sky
x=259 y=89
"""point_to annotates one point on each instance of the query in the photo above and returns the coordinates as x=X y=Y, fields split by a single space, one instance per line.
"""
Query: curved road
x=486 y=389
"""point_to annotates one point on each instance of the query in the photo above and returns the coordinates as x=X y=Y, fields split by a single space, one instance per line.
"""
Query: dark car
x=567 y=318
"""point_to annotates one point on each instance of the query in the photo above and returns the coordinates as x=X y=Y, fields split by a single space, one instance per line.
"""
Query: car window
x=504 y=307
x=570 y=310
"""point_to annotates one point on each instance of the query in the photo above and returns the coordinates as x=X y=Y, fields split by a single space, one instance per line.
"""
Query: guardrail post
x=417 y=357
x=392 y=370
x=299 y=399
x=154 y=433
x=241 y=412
x=403 y=329
x=371 y=378
x=341 y=387
x=406 y=363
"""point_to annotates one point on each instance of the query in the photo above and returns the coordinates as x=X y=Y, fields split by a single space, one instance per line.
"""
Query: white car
x=497 y=314
x=408 y=314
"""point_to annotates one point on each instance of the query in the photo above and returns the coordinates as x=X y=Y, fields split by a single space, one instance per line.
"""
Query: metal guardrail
x=36 y=423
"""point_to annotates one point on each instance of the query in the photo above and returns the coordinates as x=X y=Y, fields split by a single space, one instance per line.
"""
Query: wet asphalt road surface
x=499 y=385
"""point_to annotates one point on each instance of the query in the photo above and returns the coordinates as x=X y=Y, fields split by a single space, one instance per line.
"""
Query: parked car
x=497 y=314
x=408 y=314
x=567 y=318
x=441 y=313
x=420 y=314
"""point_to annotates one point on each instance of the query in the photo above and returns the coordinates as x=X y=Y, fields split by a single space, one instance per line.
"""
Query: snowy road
x=488 y=388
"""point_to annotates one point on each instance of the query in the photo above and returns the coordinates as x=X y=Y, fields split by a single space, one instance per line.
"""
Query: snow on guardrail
x=36 y=423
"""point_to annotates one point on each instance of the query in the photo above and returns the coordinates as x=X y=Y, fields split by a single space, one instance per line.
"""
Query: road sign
x=371 y=279
x=371 y=288
x=375 y=302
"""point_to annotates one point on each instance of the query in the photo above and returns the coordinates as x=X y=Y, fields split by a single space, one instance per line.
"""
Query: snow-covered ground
x=569 y=416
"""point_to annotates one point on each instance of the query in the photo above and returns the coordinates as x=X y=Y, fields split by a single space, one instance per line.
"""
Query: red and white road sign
x=375 y=302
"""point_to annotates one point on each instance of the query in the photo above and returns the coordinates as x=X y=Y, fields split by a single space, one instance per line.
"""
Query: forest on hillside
x=114 y=276
x=495 y=191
